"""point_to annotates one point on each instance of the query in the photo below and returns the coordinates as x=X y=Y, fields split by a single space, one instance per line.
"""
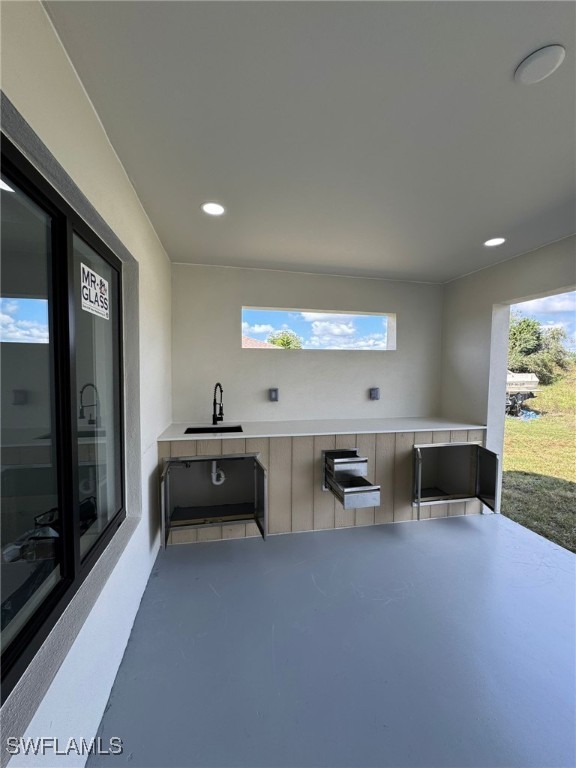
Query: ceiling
x=383 y=139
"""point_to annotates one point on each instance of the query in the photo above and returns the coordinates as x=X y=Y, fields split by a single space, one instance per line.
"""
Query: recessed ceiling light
x=495 y=241
x=5 y=186
x=540 y=64
x=213 y=209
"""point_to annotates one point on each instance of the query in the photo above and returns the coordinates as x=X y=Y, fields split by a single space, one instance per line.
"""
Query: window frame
x=74 y=569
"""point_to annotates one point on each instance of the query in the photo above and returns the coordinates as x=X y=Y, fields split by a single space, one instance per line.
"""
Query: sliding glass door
x=61 y=480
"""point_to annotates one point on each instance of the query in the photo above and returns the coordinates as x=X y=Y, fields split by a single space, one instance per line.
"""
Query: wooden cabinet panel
x=476 y=435
x=260 y=445
x=209 y=448
x=456 y=508
x=324 y=502
x=180 y=448
x=213 y=533
x=233 y=446
x=233 y=531
x=252 y=530
x=280 y=485
x=384 y=476
x=163 y=453
x=474 y=507
x=302 y=483
x=439 y=510
x=403 y=477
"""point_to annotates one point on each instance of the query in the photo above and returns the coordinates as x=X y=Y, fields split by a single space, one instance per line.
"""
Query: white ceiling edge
x=370 y=277
x=510 y=258
x=303 y=271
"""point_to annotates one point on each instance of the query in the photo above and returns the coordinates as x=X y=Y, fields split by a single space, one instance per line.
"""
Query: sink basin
x=213 y=429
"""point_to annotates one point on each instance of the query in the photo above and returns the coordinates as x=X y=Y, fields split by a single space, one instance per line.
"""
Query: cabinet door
x=487 y=477
x=165 y=504
x=261 y=497
x=416 y=475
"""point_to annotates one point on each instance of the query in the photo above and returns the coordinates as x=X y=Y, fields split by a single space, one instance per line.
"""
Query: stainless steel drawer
x=346 y=461
x=354 y=492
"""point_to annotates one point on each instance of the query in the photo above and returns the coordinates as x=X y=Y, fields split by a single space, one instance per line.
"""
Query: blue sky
x=553 y=311
x=318 y=330
x=24 y=320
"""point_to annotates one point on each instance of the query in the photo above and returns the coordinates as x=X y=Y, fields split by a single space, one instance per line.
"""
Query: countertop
x=38 y=437
x=319 y=427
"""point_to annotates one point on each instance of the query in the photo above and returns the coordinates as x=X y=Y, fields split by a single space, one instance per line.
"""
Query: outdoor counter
x=318 y=427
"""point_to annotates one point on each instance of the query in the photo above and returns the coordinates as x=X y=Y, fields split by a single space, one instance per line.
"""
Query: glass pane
x=98 y=378
x=30 y=518
x=267 y=328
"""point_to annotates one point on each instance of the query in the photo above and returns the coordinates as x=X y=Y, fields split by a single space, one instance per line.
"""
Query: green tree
x=534 y=349
x=286 y=339
x=525 y=335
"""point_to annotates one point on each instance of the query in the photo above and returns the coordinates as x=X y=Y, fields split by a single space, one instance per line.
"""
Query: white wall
x=38 y=79
x=207 y=304
x=475 y=330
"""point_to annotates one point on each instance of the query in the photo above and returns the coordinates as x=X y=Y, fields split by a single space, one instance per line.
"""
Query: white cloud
x=257 y=328
x=549 y=325
x=362 y=343
x=9 y=306
x=310 y=317
x=24 y=331
x=327 y=329
x=329 y=337
x=563 y=302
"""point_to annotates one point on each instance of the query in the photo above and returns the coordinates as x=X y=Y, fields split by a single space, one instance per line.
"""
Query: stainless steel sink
x=213 y=429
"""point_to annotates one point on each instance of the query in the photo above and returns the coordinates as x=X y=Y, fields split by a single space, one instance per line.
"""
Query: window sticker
x=94 y=292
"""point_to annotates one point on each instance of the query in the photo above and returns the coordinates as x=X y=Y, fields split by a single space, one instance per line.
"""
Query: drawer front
x=347 y=461
x=354 y=492
x=357 y=467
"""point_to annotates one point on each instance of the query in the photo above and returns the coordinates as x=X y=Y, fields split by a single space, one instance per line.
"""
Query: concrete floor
x=448 y=642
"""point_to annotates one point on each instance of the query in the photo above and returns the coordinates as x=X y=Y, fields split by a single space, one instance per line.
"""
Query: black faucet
x=218 y=408
x=94 y=420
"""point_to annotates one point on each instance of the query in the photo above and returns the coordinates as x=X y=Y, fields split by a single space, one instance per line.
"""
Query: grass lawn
x=539 y=480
